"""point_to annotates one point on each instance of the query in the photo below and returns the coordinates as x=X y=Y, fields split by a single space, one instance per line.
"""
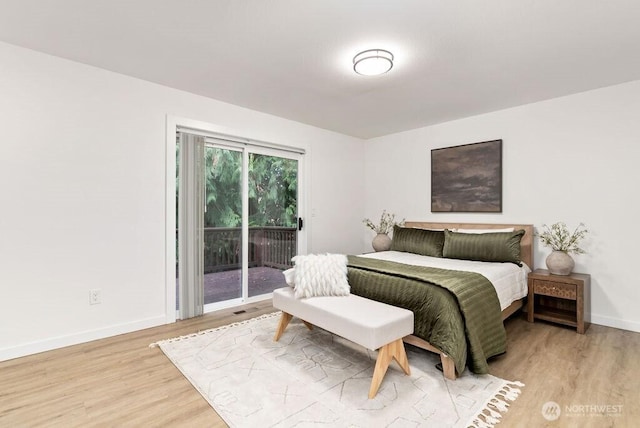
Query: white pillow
x=289 y=277
x=506 y=229
x=320 y=275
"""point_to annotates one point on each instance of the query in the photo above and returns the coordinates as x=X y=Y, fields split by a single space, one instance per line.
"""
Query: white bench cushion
x=366 y=322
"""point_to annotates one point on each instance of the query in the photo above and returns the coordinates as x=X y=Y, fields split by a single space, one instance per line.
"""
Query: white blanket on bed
x=509 y=280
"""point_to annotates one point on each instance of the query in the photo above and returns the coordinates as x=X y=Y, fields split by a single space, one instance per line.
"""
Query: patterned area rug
x=311 y=378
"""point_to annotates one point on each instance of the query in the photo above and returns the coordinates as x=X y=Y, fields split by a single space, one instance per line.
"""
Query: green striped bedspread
x=457 y=312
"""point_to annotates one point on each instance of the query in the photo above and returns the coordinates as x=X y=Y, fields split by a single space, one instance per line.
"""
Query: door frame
x=173 y=125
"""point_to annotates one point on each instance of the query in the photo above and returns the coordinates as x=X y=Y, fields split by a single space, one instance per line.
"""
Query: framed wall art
x=467 y=178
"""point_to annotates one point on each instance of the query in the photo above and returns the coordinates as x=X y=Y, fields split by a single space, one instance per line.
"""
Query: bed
x=464 y=327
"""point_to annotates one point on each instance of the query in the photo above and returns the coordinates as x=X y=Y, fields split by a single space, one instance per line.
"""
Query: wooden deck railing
x=268 y=246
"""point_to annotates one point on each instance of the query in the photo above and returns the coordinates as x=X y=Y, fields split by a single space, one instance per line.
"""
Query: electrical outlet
x=95 y=296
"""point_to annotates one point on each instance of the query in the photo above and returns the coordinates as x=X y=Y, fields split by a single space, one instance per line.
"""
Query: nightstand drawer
x=554 y=289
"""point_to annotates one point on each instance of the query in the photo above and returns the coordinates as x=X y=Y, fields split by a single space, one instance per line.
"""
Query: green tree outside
x=273 y=189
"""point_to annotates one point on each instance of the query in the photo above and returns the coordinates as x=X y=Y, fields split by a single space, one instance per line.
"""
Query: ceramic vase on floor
x=381 y=242
x=560 y=263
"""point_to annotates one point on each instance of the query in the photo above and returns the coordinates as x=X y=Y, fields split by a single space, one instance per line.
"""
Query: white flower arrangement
x=558 y=238
x=387 y=221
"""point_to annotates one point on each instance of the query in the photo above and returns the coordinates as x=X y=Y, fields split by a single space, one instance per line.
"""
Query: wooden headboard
x=526 y=243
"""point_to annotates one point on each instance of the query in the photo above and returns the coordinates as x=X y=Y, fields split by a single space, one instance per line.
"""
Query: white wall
x=82 y=167
x=573 y=159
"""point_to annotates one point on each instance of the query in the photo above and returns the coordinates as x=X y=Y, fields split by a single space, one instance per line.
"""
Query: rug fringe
x=224 y=327
x=492 y=410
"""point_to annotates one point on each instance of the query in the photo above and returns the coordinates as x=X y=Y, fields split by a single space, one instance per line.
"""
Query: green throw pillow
x=484 y=247
x=419 y=241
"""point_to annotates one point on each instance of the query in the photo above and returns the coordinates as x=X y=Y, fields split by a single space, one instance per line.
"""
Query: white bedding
x=509 y=280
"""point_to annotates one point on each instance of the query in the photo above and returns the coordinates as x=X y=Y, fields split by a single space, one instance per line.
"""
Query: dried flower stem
x=387 y=221
x=558 y=238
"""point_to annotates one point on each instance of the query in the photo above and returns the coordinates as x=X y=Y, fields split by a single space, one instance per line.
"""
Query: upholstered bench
x=368 y=323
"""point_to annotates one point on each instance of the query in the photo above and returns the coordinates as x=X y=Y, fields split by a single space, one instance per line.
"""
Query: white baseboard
x=74 y=339
x=615 y=323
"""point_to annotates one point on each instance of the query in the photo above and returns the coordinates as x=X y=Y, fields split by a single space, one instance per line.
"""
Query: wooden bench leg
x=448 y=367
x=309 y=326
x=284 y=322
x=385 y=354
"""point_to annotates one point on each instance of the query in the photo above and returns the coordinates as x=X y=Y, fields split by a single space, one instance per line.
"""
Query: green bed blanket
x=457 y=312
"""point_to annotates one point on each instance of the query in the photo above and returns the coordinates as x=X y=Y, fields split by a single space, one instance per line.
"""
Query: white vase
x=381 y=242
x=560 y=263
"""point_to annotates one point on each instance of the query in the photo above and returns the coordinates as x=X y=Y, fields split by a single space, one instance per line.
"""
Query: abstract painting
x=467 y=178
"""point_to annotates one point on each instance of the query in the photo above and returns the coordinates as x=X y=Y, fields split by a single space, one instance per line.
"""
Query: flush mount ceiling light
x=373 y=62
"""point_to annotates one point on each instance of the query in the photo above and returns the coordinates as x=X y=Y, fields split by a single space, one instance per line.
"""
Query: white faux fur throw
x=320 y=275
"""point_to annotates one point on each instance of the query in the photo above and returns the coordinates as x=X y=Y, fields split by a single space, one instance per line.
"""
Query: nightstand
x=559 y=298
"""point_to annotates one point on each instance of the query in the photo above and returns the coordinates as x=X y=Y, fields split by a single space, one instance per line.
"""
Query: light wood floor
x=120 y=381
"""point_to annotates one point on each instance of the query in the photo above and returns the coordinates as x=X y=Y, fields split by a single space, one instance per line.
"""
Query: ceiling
x=293 y=58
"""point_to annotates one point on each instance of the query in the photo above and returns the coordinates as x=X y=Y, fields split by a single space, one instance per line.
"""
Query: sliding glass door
x=273 y=220
x=223 y=255
x=251 y=221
